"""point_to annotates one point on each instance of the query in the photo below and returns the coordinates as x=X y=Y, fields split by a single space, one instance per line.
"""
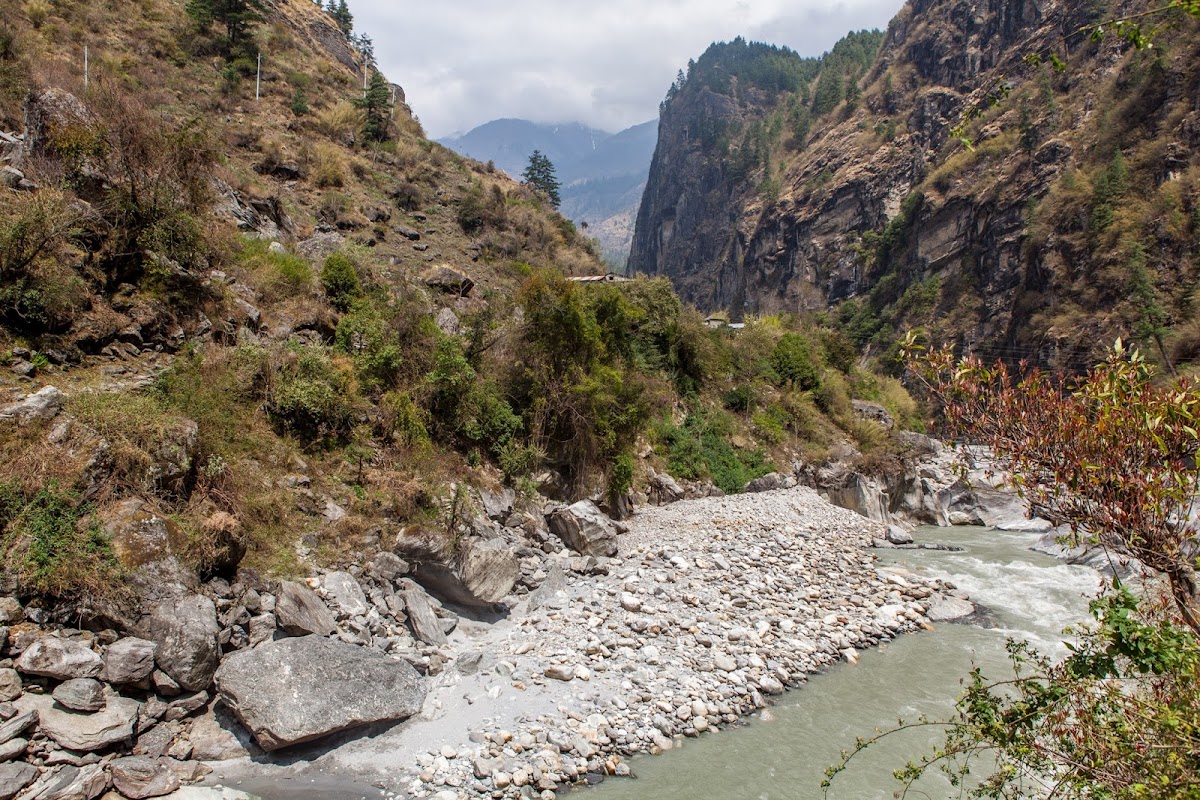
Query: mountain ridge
x=1036 y=241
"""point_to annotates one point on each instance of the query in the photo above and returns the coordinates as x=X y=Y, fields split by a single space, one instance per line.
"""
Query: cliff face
x=1043 y=239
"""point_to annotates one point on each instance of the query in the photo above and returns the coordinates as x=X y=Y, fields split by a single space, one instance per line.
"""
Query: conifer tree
x=341 y=15
x=235 y=15
x=540 y=175
x=376 y=105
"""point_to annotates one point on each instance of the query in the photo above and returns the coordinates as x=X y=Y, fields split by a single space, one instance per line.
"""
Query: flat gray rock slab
x=950 y=608
x=83 y=732
x=297 y=690
x=140 y=777
x=69 y=783
x=62 y=659
x=12 y=728
x=15 y=777
x=424 y=622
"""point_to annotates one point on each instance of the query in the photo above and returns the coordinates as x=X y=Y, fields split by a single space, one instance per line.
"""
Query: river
x=1030 y=596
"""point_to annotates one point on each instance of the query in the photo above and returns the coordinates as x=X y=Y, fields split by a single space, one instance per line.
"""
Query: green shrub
x=365 y=336
x=275 y=274
x=620 y=475
x=53 y=544
x=701 y=449
x=770 y=424
x=339 y=279
x=403 y=420
x=466 y=408
x=833 y=397
x=479 y=209
x=739 y=398
x=838 y=350
x=312 y=397
x=299 y=103
x=518 y=460
x=794 y=362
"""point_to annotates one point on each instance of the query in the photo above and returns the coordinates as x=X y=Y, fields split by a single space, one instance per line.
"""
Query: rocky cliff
x=1069 y=217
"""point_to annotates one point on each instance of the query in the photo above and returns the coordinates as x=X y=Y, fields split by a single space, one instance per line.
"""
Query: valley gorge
x=335 y=463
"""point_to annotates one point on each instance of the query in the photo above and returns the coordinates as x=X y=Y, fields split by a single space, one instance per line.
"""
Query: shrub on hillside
x=794 y=361
x=700 y=448
x=313 y=397
x=339 y=279
x=365 y=335
x=53 y=543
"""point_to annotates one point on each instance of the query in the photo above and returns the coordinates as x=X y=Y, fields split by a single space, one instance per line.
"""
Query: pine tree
x=377 y=108
x=235 y=15
x=540 y=175
x=342 y=16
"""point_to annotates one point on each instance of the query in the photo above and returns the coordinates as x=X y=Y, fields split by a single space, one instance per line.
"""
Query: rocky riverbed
x=712 y=607
x=570 y=660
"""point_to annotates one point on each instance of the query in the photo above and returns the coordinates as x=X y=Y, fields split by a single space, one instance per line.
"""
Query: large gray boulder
x=585 y=529
x=947 y=609
x=488 y=569
x=185 y=630
x=61 y=659
x=299 y=611
x=129 y=660
x=148 y=544
x=330 y=686
x=663 y=489
x=483 y=572
x=83 y=732
x=80 y=694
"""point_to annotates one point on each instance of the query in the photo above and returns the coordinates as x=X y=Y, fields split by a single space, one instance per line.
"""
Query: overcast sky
x=606 y=63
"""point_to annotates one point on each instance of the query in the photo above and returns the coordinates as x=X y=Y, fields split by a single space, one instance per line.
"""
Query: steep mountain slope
x=228 y=290
x=1072 y=219
x=603 y=175
x=281 y=319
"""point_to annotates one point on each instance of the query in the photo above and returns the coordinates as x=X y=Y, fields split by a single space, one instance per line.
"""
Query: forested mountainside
x=1071 y=214
x=277 y=325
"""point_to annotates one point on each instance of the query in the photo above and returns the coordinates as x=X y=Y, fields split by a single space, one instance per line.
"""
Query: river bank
x=712 y=607
x=781 y=754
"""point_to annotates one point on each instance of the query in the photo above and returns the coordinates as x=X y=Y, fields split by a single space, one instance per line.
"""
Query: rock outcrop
x=878 y=204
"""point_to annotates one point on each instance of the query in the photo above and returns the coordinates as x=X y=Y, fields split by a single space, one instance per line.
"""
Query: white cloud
x=605 y=63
